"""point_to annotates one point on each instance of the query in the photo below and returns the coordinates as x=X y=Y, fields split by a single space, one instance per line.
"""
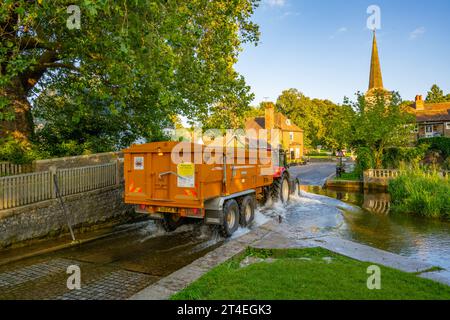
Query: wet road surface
x=112 y=268
x=315 y=174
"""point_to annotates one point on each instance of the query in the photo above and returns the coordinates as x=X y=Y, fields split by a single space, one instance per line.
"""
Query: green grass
x=289 y=278
x=421 y=193
x=350 y=176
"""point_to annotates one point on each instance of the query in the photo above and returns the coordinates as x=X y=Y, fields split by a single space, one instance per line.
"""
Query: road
x=121 y=265
x=315 y=174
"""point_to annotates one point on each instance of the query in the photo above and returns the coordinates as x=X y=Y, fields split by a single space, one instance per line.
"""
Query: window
x=447 y=125
x=288 y=122
x=291 y=136
x=297 y=153
x=429 y=129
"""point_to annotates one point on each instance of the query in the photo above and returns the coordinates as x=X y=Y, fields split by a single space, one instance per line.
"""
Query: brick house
x=290 y=134
x=433 y=119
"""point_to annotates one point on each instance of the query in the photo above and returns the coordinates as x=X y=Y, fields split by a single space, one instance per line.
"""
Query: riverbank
x=310 y=273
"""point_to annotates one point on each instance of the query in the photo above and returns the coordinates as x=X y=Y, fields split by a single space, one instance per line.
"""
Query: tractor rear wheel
x=280 y=189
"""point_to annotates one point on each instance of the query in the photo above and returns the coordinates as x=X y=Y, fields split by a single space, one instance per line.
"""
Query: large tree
x=130 y=57
x=311 y=115
x=436 y=95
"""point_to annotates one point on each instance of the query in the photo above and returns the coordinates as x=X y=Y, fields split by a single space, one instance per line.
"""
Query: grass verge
x=298 y=274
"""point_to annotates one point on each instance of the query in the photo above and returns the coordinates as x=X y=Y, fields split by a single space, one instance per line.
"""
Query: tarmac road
x=314 y=174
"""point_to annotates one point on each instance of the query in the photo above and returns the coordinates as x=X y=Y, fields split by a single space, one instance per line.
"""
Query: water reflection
x=421 y=238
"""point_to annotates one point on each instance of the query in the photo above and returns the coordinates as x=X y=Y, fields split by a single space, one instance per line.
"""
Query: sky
x=323 y=48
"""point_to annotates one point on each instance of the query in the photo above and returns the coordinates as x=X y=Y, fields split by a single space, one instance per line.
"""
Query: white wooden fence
x=23 y=189
x=7 y=168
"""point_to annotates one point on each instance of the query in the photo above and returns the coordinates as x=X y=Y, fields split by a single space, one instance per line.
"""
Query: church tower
x=376 y=78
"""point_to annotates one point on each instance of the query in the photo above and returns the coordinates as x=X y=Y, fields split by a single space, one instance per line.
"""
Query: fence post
x=52 y=171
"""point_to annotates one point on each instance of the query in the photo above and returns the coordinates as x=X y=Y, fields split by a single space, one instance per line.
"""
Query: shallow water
x=365 y=218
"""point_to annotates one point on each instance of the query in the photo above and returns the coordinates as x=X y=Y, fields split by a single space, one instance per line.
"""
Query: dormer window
x=288 y=122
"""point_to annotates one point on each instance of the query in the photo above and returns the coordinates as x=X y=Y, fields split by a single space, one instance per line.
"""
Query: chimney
x=420 y=104
x=270 y=116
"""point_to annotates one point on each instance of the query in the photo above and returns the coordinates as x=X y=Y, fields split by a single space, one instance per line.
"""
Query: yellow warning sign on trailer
x=186 y=175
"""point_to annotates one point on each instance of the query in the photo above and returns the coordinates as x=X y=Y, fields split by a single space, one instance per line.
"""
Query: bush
x=16 y=152
x=421 y=193
x=441 y=144
x=394 y=157
x=364 y=160
x=446 y=164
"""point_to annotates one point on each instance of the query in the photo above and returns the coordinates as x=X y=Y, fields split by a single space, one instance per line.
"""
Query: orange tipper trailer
x=223 y=193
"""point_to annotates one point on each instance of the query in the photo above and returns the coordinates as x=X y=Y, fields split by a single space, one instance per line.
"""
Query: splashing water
x=259 y=220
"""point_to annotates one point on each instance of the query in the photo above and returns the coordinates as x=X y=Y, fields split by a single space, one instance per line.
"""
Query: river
x=365 y=218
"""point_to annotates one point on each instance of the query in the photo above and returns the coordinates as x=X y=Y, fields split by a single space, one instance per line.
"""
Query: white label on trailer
x=138 y=163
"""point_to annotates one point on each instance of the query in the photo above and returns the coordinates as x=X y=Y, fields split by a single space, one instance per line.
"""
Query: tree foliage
x=379 y=123
x=436 y=95
x=312 y=115
x=131 y=66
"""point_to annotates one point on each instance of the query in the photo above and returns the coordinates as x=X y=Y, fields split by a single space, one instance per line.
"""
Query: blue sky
x=323 y=47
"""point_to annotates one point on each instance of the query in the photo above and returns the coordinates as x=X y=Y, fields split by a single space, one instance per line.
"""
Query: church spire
x=376 y=79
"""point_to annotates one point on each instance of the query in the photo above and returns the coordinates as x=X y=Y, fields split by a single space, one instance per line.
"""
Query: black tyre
x=280 y=189
x=171 y=222
x=247 y=211
x=230 y=218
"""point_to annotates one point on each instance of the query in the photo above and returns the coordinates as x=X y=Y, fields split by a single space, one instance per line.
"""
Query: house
x=291 y=135
x=433 y=119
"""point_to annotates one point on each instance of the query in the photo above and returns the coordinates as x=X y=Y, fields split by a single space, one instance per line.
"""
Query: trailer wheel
x=280 y=189
x=247 y=211
x=171 y=222
x=230 y=218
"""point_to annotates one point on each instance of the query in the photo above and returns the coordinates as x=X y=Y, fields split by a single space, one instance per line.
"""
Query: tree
x=379 y=123
x=340 y=128
x=436 y=95
x=310 y=115
x=144 y=61
x=229 y=113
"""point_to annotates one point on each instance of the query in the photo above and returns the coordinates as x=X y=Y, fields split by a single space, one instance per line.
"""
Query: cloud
x=417 y=33
x=338 y=32
x=290 y=14
x=275 y=3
